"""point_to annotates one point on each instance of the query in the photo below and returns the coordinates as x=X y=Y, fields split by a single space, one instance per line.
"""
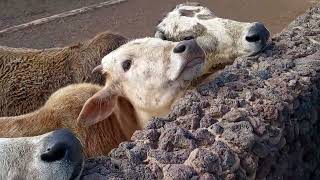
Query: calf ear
x=97 y=69
x=97 y=108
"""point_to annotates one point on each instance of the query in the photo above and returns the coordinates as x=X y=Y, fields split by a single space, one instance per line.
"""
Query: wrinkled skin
x=222 y=39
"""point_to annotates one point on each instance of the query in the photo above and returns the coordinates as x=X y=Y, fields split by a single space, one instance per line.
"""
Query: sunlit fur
x=154 y=80
x=222 y=39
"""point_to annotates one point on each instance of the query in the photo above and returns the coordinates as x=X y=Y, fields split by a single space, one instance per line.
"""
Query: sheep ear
x=97 y=108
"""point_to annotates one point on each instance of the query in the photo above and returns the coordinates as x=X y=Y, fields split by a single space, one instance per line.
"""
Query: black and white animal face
x=53 y=156
x=222 y=39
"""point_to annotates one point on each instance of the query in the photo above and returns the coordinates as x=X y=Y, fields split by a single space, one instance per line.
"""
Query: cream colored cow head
x=150 y=73
x=222 y=39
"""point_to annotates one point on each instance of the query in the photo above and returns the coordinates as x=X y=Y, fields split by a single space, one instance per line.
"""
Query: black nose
x=61 y=145
x=186 y=47
x=180 y=48
x=55 y=153
x=258 y=32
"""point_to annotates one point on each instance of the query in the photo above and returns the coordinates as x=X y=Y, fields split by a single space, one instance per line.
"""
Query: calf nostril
x=179 y=49
x=55 y=153
x=253 y=38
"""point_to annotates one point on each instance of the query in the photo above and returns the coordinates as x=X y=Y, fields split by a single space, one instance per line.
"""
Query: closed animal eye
x=164 y=37
x=126 y=65
x=188 y=38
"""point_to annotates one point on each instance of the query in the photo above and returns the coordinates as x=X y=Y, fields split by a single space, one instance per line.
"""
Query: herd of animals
x=59 y=106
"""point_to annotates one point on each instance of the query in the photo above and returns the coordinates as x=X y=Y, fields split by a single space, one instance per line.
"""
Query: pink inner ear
x=98 y=108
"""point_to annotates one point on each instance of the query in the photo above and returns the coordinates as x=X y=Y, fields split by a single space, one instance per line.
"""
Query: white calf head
x=222 y=39
x=52 y=156
x=151 y=73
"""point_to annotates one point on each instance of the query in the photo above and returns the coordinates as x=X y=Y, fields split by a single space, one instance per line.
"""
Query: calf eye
x=126 y=65
x=188 y=38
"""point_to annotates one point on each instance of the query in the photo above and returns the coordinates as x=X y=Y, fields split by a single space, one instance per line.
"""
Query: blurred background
x=132 y=18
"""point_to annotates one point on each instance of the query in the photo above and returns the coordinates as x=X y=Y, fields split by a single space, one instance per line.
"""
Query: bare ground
x=135 y=18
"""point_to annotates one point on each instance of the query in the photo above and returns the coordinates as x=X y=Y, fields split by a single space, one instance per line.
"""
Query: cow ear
x=97 y=108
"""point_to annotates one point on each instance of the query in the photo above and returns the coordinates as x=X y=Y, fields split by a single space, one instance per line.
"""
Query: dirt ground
x=134 y=18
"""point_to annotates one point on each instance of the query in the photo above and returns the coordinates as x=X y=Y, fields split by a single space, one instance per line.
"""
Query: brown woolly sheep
x=144 y=78
x=29 y=76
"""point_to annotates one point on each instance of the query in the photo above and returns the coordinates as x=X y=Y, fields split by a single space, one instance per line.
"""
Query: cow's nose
x=187 y=47
x=258 y=33
x=62 y=145
x=180 y=48
x=55 y=153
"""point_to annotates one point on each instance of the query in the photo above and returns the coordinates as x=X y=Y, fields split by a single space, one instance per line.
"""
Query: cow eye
x=161 y=35
x=164 y=37
x=188 y=38
x=126 y=65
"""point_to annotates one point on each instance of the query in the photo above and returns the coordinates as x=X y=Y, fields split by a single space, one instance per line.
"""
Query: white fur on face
x=222 y=39
x=20 y=159
x=176 y=26
x=156 y=77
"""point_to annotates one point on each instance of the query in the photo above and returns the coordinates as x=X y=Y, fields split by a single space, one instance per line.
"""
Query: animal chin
x=194 y=62
x=264 y=45
x=259 y=51
x=192 y=68
x=77 y=171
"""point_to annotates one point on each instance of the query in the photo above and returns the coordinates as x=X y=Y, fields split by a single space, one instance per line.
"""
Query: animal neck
x=127 y=118
x=102 y=137
x=144 y=116
x=109 y=133
x=30 y=124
